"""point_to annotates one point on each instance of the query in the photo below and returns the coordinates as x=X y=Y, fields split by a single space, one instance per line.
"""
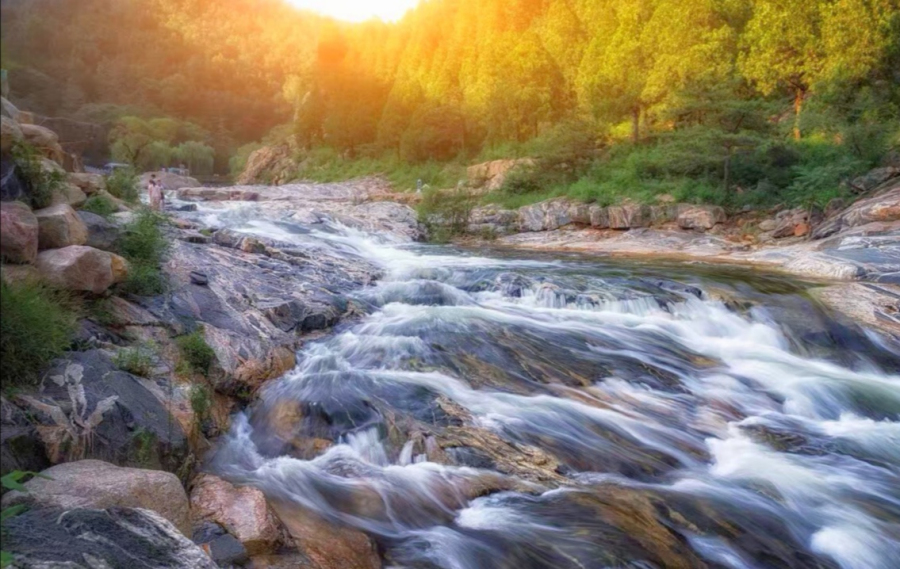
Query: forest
x=738 y=102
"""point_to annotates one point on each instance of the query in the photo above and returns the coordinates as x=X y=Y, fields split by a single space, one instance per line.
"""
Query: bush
x=195 y=352
x=136 y=361
x=101 y=205
x=143 y=245
x=123 y=184
x=445 y=213
x=37 y=325
x=201 y=401
x=40 y=183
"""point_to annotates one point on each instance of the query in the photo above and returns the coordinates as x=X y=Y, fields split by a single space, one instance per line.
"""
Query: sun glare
x=358 y=10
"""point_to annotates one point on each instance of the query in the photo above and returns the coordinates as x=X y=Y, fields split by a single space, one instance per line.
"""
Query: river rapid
x=489 y=409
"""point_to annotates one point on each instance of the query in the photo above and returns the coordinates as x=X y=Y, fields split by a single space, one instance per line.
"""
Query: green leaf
x=7 y=513
x=5 y=559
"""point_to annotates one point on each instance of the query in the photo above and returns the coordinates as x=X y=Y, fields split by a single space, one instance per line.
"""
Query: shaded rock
x=599 y=217
x=73 y=195
x=100 y=485
x=491 y=218
x=102 y=234
x=874 y=178
x=45 y=140
x=700 y=217
x=114 y=537
x=787 y=221
x=199 y=278
x=60 y=226
x=240 y=510
x=21 y=447
x=580 y=213
x=835 y=205
x=628 y=216
x=81 y=268
x=10 y=133
x=557 y=213
x=19 y=232
x=13 y=185
x=660 y=214
x=87 y=408
x=221 y=546
x=491 y=175
x=325 y=544
x=90 y=184
x=187 y=207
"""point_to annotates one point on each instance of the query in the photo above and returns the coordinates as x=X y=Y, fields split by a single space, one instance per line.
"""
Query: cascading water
x=533 y=412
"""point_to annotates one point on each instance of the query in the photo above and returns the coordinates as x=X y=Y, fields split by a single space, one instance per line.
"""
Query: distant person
x=154 y=192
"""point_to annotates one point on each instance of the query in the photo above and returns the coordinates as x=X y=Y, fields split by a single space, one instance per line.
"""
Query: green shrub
x=445 y=213
x=201 y=401
x=195 y=352
x=41 y=183
x=123 y=184
x=101 y=205
x=143 y=245
x=136 y=361
x=37 y=325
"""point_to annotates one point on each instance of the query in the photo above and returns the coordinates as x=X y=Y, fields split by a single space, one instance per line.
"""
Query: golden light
x=358 y=10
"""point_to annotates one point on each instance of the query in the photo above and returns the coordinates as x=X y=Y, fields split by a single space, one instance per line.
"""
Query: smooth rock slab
x=54 y=538
x=81 y=268
x=18 y=233
x=241 y=510
x=60 y=226
x=98 y=484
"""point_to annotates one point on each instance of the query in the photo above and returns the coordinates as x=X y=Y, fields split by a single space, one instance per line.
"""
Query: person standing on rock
x=154 y=192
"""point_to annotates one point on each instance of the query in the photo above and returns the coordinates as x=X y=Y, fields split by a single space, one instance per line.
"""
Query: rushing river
x=497 y=410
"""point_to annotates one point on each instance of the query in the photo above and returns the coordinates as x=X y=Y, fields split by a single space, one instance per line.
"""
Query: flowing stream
x=503 y=410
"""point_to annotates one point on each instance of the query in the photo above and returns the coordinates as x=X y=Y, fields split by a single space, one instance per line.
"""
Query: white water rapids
x=765 y=433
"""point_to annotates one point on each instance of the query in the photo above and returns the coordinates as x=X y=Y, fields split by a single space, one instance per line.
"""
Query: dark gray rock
x=21 y=447
x=87 y=538
x=199 y=278
x=12 y=184
x=87 y=408
x=102 y=234
x=223 y=548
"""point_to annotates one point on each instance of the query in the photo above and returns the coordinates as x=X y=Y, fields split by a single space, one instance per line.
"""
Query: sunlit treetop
x=358 y=10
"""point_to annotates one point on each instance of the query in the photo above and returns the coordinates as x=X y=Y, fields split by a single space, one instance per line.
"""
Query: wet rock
x=325 y=544
x=599 y=217
x=102 y=234
x=628 y=216
x=114 y=537
x=221 y=546
x=80 y=268
x=59 y=226
x=240 y=510
x=700 y=217
x=19 y=232
x=86 y=408
x=512 y=284
x=90 y=184
x=100 y=485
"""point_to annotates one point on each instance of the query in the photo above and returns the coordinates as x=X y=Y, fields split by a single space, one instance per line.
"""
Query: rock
x=787 y=221
x=187 y=207
x=114 y=537
x=325 y=544
x=13 y=185
x=835 y=205
x=491 y=219
x=556 y=214
x=81 y=268
x=121 y=206
x=90 y=184
x=220 y=545
x=45 y=140
x=628 y=216
x=169 y=180
x=19 y=232
x=580 y=213
x=768 y=225
x=219 y=194
x=531 y=218
x=102 y=234
x=25 y=274
x=660 y=214
x=69 y=194
x=491 y=175
x=801 y=229
x=8 y=109
x=700 y=217
x=120 y=418
x=874 y=178
x=240 y=510
x=599 y=217
x=21 y=447
x=98 y=484
x=269 y=165
x=10 y=133
x=198 y=278
x=60 y=226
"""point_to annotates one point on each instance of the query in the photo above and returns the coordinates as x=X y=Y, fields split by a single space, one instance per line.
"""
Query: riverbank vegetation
x=737 y=102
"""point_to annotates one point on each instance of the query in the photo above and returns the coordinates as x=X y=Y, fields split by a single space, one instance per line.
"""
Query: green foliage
x=101 y=205
x=143 y=448
x=137 y=360
x=41 y=182
x=238 y=161
x=123 y=184
x=434 y=134
x=198 y=157
x=201 y=401
x=144 y=245
x=197 y=355
x=37 y=325
x=445 y=212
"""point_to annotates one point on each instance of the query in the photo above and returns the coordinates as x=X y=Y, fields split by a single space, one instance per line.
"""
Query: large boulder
x=700 y=217
x=45 y=140
x=881 y=207
x=491 y=175
x=788 y=222
x=119 y=418
x=531 y=218
x=69 y=194
x=90 y=184
x=240 y=510
x=874 y=178
x=93 y=538
x=18 y=233
x=59 y=227
x=10 y=133
x=102 y=234
x=81 y=268
x=269 y=165
x=599 y=217
x=628 y=216
x=98 y=484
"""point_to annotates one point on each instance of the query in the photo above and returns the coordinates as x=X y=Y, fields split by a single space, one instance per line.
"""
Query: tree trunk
x=635 y=124
x=799 y=95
